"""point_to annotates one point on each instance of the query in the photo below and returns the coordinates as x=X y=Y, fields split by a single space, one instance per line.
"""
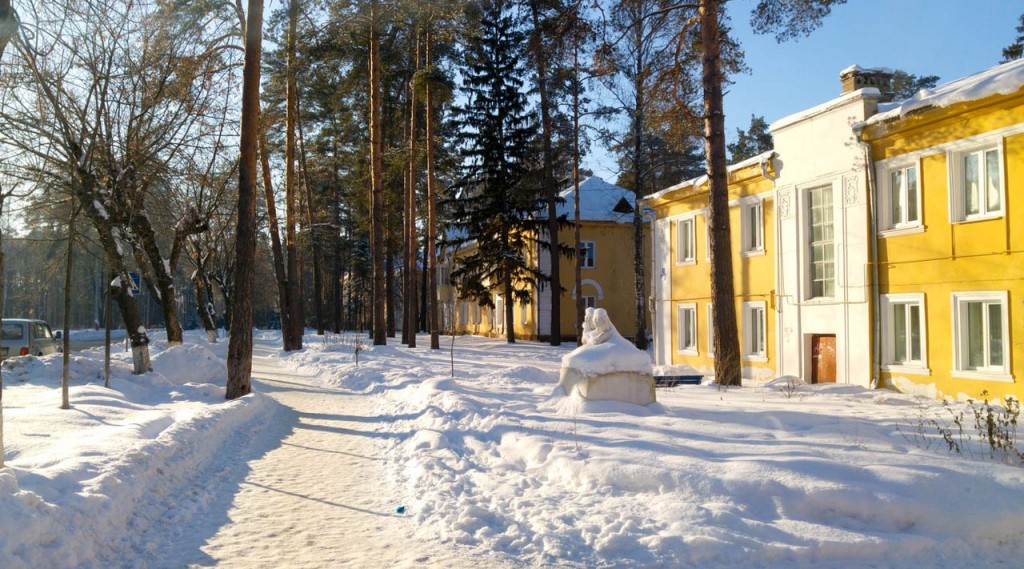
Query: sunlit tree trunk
x=239 y=362
x=726 y=336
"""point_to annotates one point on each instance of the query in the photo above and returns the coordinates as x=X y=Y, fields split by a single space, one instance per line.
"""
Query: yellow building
x=606 y=236
x=683 y=269
x=948 y=169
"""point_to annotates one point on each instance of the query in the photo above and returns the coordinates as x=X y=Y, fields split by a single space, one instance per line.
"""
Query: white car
x=20 y=337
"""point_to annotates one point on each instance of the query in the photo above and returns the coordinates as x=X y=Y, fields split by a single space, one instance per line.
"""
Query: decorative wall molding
x=851 y=190
x=785 y=204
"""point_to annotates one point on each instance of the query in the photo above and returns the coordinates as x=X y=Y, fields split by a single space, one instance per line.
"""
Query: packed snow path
x=320 y=498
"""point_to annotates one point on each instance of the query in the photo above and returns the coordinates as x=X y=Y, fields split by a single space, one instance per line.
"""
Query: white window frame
x=592 y=257
x=686 y=255
x=589 y=301
x=755 y=310
x=809 y=243
x=962 y=369
x=707 y=239
x=957 y=191
x=752 y=235
x=711 y=330
x=906 y=226
x=691 y=320
x=889 y=304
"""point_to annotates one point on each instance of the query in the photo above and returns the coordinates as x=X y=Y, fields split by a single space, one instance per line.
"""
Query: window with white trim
x=711 y=329
x=752 y=227
x=981 y=332
x=901 y=198
x=589 y=302
x=754 y=330
x=684 y=241
x=903 y=330
x=976 y=182
x=707 y=239
x=822 y=249
x=588 y=254
x=686 y=327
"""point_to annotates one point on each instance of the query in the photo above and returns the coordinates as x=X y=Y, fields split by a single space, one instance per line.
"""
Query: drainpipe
x=777 y=300
x=652 y=218
x=876 y=326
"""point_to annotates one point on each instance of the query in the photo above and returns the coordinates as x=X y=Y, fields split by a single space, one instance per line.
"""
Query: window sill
x=898 y=231
x=986 y=217
x=909 y=370
x=981 y=375
x=822 y=300
x=686 y=263
x=752 y=253
x=753 y=358
x=687 y=352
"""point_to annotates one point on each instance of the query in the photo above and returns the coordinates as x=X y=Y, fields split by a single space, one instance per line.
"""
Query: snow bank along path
x=320 y=499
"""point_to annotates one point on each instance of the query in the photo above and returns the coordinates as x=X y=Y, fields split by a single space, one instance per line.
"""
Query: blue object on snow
x=400 y=509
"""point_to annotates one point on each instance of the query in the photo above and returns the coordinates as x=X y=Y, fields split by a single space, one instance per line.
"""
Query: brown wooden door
x=823 y=358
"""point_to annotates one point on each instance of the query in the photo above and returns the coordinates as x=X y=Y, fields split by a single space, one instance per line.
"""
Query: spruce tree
x=495 y=202
x=751 y=142
x=1015 y=50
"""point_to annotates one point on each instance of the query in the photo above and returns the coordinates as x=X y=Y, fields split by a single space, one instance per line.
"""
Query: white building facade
x=823 y=276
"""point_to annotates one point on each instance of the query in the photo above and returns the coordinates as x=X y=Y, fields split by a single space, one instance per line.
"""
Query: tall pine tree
x=494 y=201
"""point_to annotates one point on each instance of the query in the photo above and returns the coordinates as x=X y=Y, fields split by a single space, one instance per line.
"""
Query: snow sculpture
x=607 y=366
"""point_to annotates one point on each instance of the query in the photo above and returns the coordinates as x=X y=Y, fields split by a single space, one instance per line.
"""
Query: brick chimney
x=856 y=77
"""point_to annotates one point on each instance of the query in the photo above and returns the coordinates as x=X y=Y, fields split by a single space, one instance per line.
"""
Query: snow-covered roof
x=598 y=199
x=1003 y=79
x=840 y=101
x=696 y=182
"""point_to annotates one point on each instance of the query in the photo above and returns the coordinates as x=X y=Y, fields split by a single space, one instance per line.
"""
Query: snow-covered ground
x=484 y=467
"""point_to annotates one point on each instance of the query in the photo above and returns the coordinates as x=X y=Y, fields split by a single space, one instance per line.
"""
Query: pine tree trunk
x=376 y=183
x=726 y=336
x=435 y=339
x=275 y=242
x=639 y=186
x=423 y=306
x=576 y=191
x=338 y=269
x=409 y=304
x=548 y=180
x=239 y=362
x=314 y=232
x=291 y=193
x=389 y=287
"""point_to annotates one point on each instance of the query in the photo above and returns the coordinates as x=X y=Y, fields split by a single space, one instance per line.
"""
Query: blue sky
x=948 y=38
